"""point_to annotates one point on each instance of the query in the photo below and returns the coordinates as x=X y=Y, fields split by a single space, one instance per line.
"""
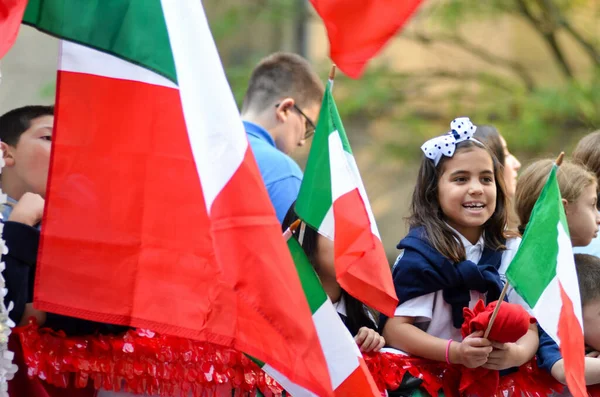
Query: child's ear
x=565 y=205
x=285 y=106
x=7 y=154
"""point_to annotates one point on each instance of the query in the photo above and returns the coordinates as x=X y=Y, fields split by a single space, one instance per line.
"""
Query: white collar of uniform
x=466 y=243
x=340 y=306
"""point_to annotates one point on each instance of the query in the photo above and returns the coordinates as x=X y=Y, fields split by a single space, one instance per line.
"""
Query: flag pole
x=331 y=75
x=496 y=310
x=290 y=230
x=558 y=163
x=559 y=159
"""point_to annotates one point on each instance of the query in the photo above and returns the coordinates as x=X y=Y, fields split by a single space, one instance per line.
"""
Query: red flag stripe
x=572 y=346
x=357 y=252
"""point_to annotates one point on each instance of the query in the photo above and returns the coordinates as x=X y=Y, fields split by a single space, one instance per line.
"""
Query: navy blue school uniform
x=423 y=270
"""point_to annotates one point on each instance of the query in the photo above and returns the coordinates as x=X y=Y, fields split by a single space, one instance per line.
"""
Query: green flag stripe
x=129 y=29
x=315 y=295
x=314 y=199
x=534 y=265
x=336 y=121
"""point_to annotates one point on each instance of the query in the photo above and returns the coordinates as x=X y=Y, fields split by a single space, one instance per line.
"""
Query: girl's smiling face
x=467 y=191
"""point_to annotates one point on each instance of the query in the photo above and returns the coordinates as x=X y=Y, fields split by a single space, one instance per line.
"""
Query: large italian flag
x=543 y=273
x=349 y=373
x=333 y=200
x=145 y=224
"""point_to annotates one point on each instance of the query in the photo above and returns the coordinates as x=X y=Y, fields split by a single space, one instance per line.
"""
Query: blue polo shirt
x=281 y=174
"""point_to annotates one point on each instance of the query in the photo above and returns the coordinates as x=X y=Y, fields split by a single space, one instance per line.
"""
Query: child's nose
x=475 y=188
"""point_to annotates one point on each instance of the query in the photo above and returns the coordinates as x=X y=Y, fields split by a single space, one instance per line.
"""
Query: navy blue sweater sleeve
x=548 y=352
x=22 y=242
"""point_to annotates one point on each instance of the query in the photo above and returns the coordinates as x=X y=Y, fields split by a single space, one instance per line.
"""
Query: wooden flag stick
x=559 y=159
x=290 y=230
x=496 y=310
x=332 y=72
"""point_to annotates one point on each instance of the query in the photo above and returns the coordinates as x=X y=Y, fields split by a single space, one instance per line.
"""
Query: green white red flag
x=333 y=200
x=144 y=224
x=347 y=369
x=553 y=293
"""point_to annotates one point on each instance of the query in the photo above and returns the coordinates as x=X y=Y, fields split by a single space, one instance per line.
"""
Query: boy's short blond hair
x=282 y=75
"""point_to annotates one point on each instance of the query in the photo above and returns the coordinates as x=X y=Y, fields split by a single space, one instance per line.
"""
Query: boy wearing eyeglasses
x=280 y=109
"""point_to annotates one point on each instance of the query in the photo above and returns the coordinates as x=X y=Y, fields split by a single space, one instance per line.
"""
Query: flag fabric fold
x=349 y=373
x=553 y=294
x=144 y=224
x=11 y=13
x=358 y=29
x=333 y=200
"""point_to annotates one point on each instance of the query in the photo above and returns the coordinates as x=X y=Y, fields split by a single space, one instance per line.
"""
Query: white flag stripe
x=80 y=59
x=339 y=347
x=567 y=272
x=363 y=193
x=215 y=129
x=289 y=386
x=547 y=309
x=342 y=178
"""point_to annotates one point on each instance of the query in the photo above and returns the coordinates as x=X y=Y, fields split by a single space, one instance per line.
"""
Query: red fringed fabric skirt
x=142 y=362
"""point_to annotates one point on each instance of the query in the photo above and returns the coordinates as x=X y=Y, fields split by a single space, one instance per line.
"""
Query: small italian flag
x=543 y=273
x=333 y=200
x=347 y=369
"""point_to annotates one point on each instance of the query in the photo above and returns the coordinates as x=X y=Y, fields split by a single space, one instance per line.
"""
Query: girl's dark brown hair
x=490 y=137
x=427 y=212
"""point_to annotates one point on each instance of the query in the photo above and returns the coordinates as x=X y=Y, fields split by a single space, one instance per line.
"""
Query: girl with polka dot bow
x=452 y=254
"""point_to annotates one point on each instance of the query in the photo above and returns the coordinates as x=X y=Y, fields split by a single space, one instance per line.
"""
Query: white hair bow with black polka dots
x=461 y=130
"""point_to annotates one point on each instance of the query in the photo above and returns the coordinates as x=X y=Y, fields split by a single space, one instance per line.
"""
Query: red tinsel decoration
x=141 y=362
x=388 y=369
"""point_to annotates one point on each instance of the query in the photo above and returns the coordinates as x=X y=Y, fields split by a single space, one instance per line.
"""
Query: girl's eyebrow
x=457 y=172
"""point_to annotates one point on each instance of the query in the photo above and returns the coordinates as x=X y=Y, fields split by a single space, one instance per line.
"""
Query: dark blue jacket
x=422 y=270
x=548 y=352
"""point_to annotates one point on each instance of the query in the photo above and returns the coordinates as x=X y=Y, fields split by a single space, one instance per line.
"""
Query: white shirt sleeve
x=512 y=245
x=420 y=307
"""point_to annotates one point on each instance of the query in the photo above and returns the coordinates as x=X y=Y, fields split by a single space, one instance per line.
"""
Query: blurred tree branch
x=485 y=55
x=547 y=31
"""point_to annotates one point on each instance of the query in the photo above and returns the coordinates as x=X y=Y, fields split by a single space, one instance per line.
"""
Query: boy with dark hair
x=550 y=359
x=280 y=109
x=25 y=135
